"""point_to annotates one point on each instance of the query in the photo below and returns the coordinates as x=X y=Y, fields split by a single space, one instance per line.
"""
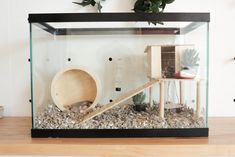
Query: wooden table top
x=15 y=139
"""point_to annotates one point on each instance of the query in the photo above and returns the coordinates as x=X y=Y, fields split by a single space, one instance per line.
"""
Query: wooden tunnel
x=73 y=85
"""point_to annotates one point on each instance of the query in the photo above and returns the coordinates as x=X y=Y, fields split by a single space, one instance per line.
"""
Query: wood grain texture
x=15 y=140
x=162 y=99
x=182 y=100
x=198 y=107
x=154 y=62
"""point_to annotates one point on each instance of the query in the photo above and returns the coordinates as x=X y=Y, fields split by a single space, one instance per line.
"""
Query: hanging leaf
x=82 y=4
x=86 y=3
x=169 y=1
x=151 y=6
x=93 y=3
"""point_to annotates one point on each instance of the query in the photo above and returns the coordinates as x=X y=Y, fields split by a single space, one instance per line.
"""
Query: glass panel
x=85 y=75
x=68 y=25
x=47 y=59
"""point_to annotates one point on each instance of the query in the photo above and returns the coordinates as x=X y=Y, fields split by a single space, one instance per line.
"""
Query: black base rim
x=119 y=133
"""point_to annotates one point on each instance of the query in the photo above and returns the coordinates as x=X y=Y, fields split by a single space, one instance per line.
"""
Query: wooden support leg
x=198 y=108
x=162 y=92
x=151 y=96
x=182 y=101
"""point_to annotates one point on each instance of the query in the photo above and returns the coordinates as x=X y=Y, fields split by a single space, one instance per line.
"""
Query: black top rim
x=118 y=17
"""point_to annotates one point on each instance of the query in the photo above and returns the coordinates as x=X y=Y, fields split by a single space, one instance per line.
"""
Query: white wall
x=14 y=48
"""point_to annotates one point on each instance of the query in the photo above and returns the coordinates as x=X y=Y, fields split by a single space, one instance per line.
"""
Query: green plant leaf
x=151 y=6
x=82 y=3
x=169 y=1
x=92 y=3
x=139 y=98
x=155 y=8
x=138 y=7
x=86 y=3
x=163 y=5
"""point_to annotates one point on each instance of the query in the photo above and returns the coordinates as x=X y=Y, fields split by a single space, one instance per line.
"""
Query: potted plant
x=140 y=6
x=151 y=6
x=138 y=101
x=189 y=64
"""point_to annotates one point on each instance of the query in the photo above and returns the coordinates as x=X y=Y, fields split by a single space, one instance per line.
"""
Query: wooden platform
x=15 y=139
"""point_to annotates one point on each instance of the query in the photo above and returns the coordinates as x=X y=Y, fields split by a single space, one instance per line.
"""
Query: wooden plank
x=119 y=100
x=154 y=62
x=120 y=150
x=15 y=139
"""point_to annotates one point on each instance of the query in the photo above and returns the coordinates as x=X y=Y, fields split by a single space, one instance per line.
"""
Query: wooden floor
x=15 y=140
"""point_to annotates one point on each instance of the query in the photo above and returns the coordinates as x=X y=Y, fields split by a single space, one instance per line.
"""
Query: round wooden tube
x=162 y=97
x=74 y=85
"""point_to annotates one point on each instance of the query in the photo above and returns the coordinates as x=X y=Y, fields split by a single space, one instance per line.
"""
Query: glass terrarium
x=119 y=74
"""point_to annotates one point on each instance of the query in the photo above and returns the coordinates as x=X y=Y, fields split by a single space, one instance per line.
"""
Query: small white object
x=188 y=73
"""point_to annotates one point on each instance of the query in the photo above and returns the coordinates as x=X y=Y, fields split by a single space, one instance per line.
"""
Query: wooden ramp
x=119 y=100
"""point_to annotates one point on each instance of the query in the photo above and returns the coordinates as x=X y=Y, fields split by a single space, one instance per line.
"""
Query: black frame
x=122 y=17
x=41 y=20
x=116 y=133
x=196 y=19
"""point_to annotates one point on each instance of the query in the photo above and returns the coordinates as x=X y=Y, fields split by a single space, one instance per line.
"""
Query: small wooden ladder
x=119 y=100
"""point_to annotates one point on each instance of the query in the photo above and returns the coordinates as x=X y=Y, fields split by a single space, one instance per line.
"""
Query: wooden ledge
x=15 y=139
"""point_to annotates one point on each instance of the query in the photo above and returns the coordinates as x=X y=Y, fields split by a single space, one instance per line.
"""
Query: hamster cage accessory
x=87 y=67
x=65 y=91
